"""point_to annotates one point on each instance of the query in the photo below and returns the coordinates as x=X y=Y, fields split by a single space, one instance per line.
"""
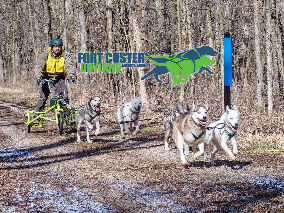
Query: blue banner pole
x=227 y=69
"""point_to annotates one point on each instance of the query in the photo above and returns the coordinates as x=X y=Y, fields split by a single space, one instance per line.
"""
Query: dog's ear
x=89 y=102
x=207 y=105
x=193 y=106
x=235 y=108
x=227 y=109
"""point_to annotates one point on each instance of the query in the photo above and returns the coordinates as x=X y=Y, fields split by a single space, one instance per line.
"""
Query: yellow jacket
x=54 y=68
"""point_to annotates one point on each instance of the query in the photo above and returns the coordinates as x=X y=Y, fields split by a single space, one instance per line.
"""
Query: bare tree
x=137 y=37
x=47 y=23
x=269 y=60
x=279 y=48
x=257 y=53
x=32 y=30
x=221 y=48
x=109 y=8
x=82 y=29
x=63 y=15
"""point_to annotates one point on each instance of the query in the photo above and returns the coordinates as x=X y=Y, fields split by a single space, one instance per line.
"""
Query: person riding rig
x=53 y=64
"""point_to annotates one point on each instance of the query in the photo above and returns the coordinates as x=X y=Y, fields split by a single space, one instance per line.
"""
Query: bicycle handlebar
x=53 y=81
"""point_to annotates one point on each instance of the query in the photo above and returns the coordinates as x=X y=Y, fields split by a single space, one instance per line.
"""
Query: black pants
x=55 y=88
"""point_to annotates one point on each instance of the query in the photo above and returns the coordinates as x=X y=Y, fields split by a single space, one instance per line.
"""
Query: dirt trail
x=44 y=172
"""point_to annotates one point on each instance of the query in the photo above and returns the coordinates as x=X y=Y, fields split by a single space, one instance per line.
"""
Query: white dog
x=189 y=130
x=128 y=113
x=221 y=131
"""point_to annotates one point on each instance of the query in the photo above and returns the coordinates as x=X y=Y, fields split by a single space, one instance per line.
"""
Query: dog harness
x=223 y=127
x=54 y=66
x=197 y=137
x=93 y=115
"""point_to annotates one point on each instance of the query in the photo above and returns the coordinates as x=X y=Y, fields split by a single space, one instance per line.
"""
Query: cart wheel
x=29 y=128
x=60 y=122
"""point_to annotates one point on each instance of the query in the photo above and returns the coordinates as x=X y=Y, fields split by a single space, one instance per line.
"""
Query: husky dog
x=190 y=130
x=180 y=110
x=86 y=114
x=221 y=131
x=127 y=114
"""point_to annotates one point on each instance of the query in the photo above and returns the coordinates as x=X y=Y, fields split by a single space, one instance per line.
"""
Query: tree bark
x=63 y=13
x=269 y=60
x=257 y=53
x=82 y=25
x=32 y=29
x=47 y=24
x=279 y=47
x=109 y=8
x=137 y=35
x=220 y=39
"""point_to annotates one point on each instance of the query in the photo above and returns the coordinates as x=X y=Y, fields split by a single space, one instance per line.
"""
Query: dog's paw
x=186 y=153
x=134 y=133
x=185 y=163
x=167 y=148
x=235 y=152
x=195 y=157
x=89 y=141
x=232 y=157
x=97 y=133
x=78 y=140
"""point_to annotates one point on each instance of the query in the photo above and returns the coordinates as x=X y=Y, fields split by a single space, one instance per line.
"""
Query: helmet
x=56 y=41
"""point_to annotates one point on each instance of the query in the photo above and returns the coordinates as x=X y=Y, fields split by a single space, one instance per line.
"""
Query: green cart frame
x=62 y=113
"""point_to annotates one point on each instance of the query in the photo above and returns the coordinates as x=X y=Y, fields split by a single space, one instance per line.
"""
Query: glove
x=38 y=80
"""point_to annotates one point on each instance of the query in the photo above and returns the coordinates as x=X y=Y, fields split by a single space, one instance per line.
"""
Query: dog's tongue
x=97 y=109
x=202 y=122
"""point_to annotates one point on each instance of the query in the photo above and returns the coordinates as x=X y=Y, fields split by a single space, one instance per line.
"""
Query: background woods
x=157 y=27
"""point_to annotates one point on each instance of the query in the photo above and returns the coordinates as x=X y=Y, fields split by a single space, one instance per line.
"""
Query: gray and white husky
x=128 y=114
x=221 y=131
x=190 y=130
x=181 y=109
x=87 y=114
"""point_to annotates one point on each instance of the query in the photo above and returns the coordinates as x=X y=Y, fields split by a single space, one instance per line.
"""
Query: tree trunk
x=47 y=24
x=181 y=95
x=161 y=22
x=279 y=47
x=269 y=61
x=221 y=49
x=109 y=8
x=63 y=13
x=257 y=53
x=137 y=35
x=275 y=60
x=210 y=28
x=32 y=29
x=1 y=68
x=82 y=25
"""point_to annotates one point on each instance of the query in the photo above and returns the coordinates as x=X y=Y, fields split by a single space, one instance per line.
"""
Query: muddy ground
x=44 y=172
